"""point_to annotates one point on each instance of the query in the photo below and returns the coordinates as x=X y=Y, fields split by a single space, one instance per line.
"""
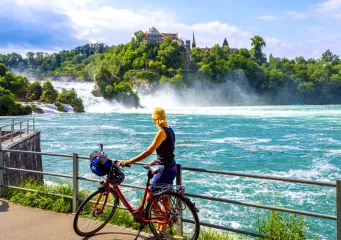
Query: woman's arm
x=153 y=162
x=159 y=138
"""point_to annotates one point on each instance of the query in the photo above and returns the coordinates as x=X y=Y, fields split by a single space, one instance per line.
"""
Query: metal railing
x=15 y=127
x=75 y=185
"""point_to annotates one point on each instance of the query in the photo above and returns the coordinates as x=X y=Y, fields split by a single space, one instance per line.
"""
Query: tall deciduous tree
x=139 y=35
x=258 y=44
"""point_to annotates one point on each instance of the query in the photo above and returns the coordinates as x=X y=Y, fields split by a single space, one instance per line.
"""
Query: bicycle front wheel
x=89 y=219
x=177 y=212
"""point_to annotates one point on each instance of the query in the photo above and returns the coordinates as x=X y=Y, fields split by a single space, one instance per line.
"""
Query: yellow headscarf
x=159 y=115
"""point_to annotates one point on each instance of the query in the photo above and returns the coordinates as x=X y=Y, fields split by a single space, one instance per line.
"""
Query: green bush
x=35 y=109
x=8 y=105
x=2 y=69
x=49 y=94
x=13 y=83
x=286 y=226
x=60 y=107
x=70 y=97
x=34 y=91
x=210 y=234
x=124 y=94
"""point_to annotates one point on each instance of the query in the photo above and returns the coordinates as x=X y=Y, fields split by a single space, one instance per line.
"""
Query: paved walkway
x=25 y=223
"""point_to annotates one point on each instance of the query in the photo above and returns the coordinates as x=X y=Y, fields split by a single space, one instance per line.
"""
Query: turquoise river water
x=288 y=141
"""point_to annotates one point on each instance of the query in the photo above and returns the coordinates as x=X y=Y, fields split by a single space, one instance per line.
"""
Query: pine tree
x=225 y=43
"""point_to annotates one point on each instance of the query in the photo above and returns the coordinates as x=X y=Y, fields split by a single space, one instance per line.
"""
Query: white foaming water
x=191 y=104
x=48 y=108
x=67 y=107
x=91 y=103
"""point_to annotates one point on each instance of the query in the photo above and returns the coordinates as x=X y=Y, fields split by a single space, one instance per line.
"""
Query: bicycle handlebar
x=116 y=161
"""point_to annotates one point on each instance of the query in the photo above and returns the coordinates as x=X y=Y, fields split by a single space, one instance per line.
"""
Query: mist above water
x=168 y=96
x=200 y=95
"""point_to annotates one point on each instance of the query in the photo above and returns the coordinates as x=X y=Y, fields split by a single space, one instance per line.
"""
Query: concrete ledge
x=17 y=139
x=29 y=141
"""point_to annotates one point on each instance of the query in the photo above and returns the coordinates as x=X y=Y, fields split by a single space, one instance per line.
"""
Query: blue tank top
x=165 y=152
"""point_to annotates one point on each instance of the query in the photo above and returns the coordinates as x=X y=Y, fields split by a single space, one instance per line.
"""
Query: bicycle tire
x=175 y=198
x=83 y=214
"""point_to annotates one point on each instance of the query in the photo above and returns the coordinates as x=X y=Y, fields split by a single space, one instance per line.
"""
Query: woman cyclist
x=164 y=144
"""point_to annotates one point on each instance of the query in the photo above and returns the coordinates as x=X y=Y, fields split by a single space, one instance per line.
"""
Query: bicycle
x=167 y=205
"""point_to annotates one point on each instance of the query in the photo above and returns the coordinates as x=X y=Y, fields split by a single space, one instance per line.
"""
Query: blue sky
x=290 y=28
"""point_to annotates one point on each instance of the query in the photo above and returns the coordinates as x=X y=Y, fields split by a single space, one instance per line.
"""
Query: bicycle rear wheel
x=88 y=219
x=179 y=213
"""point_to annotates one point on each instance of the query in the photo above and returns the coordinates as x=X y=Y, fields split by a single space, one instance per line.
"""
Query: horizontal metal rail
x=33 y=190
x=12 y=133
x=38 y=153
x=280 y=209
x=38 y=172
x=30 y=123
x=15 y=123
x=266 y=177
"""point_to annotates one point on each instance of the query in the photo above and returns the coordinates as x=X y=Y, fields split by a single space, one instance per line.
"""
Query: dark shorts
x=167 y=176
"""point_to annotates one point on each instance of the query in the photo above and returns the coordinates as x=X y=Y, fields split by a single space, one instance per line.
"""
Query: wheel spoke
x=182 y=219
x=92 y=217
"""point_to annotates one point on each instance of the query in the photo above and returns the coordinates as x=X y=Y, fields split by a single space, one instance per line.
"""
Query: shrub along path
x=18 y=222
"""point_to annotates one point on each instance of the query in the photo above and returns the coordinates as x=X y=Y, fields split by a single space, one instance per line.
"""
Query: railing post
x=75 y=183
x=34 y=124
x=1 y=172
x=179 y=227
x=27 y=126
x=0 y=137
x=20 y=128
x=12 y=131
x=338 y=208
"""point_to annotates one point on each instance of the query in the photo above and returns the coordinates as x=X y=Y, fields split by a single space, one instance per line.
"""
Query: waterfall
x=90 y=102
x=51 y=108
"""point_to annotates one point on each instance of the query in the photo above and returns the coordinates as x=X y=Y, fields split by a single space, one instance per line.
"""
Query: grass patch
x=41 y=199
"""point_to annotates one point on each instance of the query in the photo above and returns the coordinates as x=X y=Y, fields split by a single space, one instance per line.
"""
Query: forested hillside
x=114 y=69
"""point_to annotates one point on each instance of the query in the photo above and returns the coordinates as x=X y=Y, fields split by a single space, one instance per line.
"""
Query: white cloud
x=329 y=8
x=117 y=25
x=99 y=22
x=268 y=18
x=296 y=15
x=56 y=5
x=23 y=49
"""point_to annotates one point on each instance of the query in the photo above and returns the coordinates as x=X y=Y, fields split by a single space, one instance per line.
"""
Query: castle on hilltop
x=153 y=35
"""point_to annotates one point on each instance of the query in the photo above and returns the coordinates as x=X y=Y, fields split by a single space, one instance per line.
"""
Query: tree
x=49 y=94
x=70 y=97
x=2 y=69
x=8 y=105
x=328 y=56
x=139 y=35
x=34 y=91
x=258 y=44
x=225 y=43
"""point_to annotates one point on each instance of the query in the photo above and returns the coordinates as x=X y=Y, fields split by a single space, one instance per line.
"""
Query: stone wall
x=23 y=160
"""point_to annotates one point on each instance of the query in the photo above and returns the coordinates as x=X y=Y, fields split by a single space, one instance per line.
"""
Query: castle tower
x=193 y=43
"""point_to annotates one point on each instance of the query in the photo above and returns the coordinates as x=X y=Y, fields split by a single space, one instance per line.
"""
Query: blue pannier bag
x=100 y=164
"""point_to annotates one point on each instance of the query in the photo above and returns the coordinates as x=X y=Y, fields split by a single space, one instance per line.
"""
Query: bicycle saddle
x=154 y=169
